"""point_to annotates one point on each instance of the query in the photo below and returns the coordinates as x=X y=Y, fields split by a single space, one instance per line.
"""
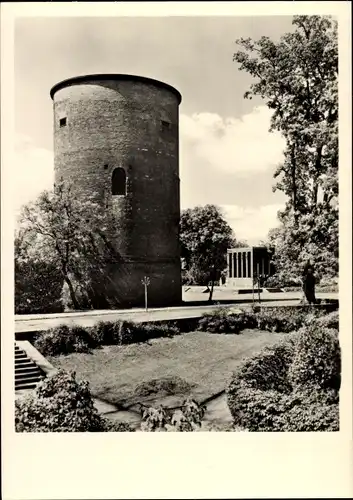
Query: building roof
x=112 y=76
x=246 y=249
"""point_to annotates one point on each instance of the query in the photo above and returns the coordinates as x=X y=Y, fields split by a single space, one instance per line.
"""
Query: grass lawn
x=199 y=365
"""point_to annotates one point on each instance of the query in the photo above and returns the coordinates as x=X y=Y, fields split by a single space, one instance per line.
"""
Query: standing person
x=309 y=283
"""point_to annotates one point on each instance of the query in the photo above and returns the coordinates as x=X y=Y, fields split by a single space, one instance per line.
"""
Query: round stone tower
x=118 y=136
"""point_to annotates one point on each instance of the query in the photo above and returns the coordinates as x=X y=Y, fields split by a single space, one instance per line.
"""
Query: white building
x=245 y=264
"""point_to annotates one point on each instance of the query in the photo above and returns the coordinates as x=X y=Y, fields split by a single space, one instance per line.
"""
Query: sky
x=227 y=154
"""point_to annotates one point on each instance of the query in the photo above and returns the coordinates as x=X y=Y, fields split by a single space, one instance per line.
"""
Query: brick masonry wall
x=118 y=123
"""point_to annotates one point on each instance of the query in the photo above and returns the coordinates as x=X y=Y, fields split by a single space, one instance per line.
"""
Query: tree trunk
x=72 y=292
x=316 y=175
x=294 y=182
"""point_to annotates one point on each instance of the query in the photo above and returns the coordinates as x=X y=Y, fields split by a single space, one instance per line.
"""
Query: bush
x=317 y=359
x=291 y=386
x=273 y=411
x=59 y=404
x=330 y=320
x=279 y=319
x=269 y=369
x=64 y=339
x=223 y=321
x=157 y=330
x=168 y=385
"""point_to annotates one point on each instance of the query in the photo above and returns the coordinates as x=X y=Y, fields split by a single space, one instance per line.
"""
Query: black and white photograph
x=176 y=224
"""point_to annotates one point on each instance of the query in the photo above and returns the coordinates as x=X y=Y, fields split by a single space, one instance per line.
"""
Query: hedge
x=66 y=339
x=278 y=319
x=291 y=386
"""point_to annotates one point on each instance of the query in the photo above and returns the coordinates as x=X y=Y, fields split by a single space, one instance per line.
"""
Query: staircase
x=27 y=373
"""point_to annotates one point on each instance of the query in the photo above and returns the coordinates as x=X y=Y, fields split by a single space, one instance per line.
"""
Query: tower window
x=62 y=122
x=166 y=125
x=119 y=182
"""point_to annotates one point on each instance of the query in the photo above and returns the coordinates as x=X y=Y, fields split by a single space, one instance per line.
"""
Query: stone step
x=21 y=361
x=25 y=367
x=26 y=385
x=33 y=372
x=27 y=373
x=34 y=379
x=20 y=355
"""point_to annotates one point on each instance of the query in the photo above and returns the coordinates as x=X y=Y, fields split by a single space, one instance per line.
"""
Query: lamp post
x=146 y=282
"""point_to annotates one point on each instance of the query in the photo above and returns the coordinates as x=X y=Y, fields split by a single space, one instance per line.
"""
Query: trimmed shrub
x=157 y=330
x=64 y=339
x=309 y=410
x=223 y=321
x=317 y=359
x=280 y=320
x=103 y=332
x=167 y=385
x=268 y=370
x=291 y=386
x=273 y=411
x=114 y=333
x=330 y=320
x=60 y=404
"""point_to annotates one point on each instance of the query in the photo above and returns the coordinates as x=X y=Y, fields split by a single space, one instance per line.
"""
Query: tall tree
x=298 y=79
x=72 y=235
x=205 y=237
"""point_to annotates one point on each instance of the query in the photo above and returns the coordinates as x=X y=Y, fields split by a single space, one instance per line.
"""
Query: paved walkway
x=217 y=413
x=38 y=322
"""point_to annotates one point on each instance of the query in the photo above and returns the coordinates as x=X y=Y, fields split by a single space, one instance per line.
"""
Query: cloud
x=241 y=152
x=251 y=224
x=242 y=146
x=33 y=171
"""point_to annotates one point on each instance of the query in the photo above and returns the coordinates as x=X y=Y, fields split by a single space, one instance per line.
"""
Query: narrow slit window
x=62 y=122
x=119 y=182
x=166 y=125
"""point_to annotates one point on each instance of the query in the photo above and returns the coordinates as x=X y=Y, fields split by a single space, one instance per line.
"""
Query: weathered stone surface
x=130 y=123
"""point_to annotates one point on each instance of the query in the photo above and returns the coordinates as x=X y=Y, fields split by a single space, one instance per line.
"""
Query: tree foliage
x=297 y=77
x=205 y=237
x=72 y=236
x=38 y=283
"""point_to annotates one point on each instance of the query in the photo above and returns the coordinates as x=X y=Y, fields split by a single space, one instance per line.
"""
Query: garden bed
x=166 y=370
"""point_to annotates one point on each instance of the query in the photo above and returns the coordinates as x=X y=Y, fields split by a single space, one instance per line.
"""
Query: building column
x=252 y=264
